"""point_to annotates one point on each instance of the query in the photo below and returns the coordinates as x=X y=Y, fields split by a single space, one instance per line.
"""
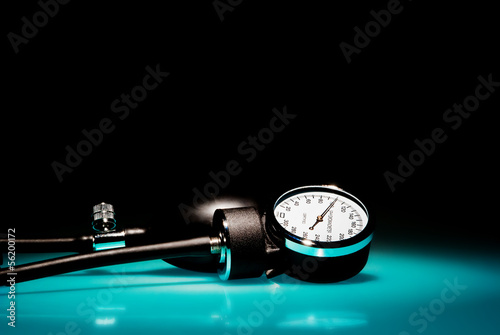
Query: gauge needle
x=320 y=217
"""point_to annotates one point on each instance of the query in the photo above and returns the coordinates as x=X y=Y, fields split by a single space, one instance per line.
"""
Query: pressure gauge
x=324 y=232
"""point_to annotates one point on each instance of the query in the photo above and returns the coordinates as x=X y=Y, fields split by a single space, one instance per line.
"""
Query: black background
x=352 y=120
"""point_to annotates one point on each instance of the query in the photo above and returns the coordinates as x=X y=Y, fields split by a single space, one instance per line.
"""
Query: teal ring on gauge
x=327 y=252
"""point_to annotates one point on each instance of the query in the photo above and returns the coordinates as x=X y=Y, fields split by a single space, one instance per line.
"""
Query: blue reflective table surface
x=400 y=291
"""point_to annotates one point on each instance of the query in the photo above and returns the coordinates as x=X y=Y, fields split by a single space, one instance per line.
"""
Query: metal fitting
x=103 y=218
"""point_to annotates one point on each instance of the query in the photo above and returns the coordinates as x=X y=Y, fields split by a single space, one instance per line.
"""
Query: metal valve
x=103 y=218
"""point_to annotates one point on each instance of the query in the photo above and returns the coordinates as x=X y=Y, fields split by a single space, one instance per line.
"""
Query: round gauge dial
x=322 y=221
x=320 y=216
x=325 y=233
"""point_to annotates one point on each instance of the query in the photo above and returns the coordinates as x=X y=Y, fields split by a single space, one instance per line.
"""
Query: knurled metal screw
x=103 y=217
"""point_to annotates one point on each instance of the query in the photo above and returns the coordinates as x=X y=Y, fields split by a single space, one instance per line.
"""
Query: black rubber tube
x=67 y=244
x=194 y=247
x=60 y=244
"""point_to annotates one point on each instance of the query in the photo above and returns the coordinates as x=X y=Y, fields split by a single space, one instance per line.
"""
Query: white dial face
x=320 y=216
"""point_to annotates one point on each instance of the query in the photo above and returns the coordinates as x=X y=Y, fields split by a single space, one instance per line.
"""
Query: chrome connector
x=103 y=218
x=217 y=247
